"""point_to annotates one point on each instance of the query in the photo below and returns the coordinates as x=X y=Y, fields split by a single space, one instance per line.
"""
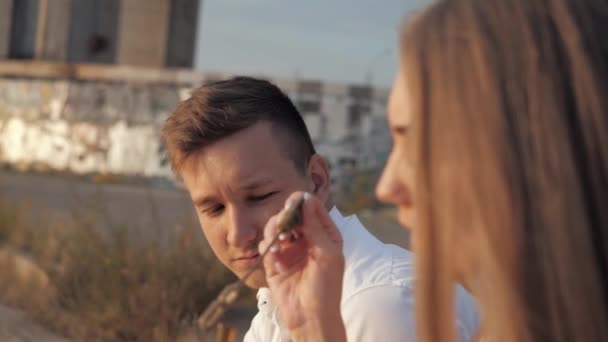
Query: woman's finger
x=317 y=225
x=269 y=231
x=316 y=229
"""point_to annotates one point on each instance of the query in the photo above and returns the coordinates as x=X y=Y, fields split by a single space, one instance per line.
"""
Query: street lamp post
x=372 y=63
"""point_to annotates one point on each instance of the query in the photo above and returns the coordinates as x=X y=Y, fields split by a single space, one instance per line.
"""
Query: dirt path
x=150 y=210
x=15 y=326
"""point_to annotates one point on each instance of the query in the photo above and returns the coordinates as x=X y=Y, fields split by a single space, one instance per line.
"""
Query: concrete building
x=94 y=36
x=149 y=33
x=6 y=8
x=107 y=119
x=85 y=86
x=346 y=122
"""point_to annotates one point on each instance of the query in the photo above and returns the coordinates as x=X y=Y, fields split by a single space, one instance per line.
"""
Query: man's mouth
x=247 y=259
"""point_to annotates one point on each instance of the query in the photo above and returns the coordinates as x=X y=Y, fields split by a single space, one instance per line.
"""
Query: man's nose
x=243 y=230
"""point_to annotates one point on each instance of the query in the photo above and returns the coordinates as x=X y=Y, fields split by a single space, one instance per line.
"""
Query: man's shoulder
x=372 y=263
x=378 y=294
x=379 y=286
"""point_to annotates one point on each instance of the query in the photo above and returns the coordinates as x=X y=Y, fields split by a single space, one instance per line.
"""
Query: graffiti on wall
x=85 y=127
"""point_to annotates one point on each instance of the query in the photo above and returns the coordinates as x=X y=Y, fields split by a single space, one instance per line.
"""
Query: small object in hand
x=292 y=216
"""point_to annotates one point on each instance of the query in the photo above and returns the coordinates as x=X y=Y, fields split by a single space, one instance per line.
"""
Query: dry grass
x=360 y=193
x=111 y=285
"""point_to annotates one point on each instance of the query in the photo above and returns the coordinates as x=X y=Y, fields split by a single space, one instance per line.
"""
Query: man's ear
x=318 y=170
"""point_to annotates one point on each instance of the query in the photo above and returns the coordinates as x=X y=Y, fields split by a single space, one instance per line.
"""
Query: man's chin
x=256 y=280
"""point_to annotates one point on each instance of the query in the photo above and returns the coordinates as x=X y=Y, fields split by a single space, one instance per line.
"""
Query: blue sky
x=334 y=40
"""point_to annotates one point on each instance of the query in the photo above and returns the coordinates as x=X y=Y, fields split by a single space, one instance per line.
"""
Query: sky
x=329 y=40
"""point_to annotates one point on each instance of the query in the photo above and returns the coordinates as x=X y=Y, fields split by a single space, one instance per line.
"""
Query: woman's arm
x=305 y=273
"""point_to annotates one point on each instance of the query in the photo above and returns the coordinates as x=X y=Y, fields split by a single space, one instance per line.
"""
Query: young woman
x=499 y=165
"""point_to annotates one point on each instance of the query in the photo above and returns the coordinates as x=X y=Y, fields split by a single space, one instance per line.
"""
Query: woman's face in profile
x=395 y=185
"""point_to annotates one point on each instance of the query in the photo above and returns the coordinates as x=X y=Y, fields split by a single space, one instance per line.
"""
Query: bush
x=112 y=285
x=360 y=192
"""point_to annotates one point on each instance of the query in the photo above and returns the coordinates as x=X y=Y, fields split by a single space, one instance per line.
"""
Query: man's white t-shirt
x=377 y=294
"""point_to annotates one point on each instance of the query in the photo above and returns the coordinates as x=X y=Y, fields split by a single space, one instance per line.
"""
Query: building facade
x=85 y=86
x=108 y=119
x=100 y=31
x=347 y=124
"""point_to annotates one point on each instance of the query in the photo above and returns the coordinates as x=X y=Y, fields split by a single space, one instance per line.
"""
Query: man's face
x=236 y=185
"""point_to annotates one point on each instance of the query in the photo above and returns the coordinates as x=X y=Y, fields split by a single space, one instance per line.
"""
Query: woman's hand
x=305 y=271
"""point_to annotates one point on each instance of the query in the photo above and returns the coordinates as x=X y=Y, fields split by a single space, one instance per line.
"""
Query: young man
x=241 y=148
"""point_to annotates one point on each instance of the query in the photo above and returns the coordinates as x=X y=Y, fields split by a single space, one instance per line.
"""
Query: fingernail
x=283 y=236
x=274 y=249
x=272 y=225
x=287 y=204
x=306 y=196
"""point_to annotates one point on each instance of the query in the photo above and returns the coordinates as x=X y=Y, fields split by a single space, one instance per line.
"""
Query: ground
x=149 y=209
x=15 y=326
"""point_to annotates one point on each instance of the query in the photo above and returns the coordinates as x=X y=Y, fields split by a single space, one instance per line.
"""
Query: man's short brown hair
x=220 y=109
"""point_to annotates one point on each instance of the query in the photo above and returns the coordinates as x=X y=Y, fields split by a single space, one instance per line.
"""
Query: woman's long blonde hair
x=510 y=123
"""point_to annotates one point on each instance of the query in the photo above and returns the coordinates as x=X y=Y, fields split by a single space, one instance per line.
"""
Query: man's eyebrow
x=256 y=183
x=202 y=201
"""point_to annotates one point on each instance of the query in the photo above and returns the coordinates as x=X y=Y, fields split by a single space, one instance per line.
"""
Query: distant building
x=150 y=33
x=347 y=124
x=107 y=119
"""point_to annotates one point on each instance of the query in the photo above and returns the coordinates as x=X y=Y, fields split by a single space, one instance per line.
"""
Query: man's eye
x=261 y=197
x=214 y=210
